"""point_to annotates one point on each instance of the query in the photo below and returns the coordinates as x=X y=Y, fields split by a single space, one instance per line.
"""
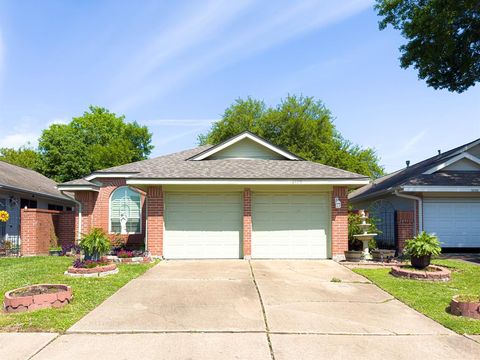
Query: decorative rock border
x=132 y=260
x=465 y=308
x=98 y=271
x=15 y=304
x=440 y=273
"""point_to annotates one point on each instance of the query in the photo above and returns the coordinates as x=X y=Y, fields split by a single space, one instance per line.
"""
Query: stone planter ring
x=36 y=297
x=92 y=272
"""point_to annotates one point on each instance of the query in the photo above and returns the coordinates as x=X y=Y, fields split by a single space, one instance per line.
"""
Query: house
x=440 y=195
x=242 y=198
x=35 y=206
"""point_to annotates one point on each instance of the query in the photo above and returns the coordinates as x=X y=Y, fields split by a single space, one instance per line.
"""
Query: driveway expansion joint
x=43 y=347
x=267 y=330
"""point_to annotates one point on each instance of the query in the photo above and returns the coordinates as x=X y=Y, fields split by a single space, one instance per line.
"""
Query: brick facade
x=247 y=223
x=405 y=227
x=96 y=211
x=155 y=220
x=339 y=222
x=37 y=226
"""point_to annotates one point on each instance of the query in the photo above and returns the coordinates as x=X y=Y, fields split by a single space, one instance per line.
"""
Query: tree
x=302 y=125
x=443 y=39
x=99 y=139
x=24 y=156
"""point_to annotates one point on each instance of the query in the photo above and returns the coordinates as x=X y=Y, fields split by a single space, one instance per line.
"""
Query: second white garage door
x=290 y=225
x=202 y=225
x=456 y=222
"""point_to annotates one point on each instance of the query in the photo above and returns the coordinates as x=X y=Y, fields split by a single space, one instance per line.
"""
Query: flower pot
x=55 y=252
x=382 y=255
x=353 y=255
x=420 y=262
x=461 y=307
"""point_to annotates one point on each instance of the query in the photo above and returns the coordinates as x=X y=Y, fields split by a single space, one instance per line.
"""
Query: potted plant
x=55 y=249
x=421 y=248
x=354 y=252
x=95 y=244
x=381 y=255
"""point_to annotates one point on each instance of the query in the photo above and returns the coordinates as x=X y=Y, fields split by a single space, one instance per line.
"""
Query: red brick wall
x=155 y=220
x=96 y=208
x=37 y=227
x=247 y=223
x=339 y=222
x=405 y=227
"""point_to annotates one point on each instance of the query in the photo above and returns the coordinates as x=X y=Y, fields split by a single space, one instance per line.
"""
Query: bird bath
x=365 y=237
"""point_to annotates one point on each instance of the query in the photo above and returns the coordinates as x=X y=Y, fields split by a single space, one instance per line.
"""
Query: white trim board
x=452 y=161
x=426 y=188
x=77 y=188
x=247 y=182
x=109 y=175
x=238 y=138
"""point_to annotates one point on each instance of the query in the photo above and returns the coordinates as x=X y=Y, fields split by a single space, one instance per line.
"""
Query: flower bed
x=91 y=268
x=465 y=306
x=36 y=297
x=130 y=257
x=431 y=273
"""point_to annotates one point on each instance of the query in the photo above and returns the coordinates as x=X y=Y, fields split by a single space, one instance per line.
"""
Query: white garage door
x=455 y=221
x=203 y=225
x=290 y=225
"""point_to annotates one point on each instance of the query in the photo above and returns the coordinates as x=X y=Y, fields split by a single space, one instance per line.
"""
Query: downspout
x=79 y=204
x=420 y=209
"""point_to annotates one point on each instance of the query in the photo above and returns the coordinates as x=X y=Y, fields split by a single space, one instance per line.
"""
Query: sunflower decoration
x=4 y=216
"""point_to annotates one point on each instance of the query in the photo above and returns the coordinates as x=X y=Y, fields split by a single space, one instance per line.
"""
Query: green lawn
x=88 y=292
x=433 y=298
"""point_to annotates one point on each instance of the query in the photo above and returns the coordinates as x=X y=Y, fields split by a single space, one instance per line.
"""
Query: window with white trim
x=125 y=211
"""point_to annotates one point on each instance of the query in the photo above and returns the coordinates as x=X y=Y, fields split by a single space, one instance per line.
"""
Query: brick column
x=155 y=220
x=339 y=222
x=405 y=225
x=88 y=200
x=247 y=223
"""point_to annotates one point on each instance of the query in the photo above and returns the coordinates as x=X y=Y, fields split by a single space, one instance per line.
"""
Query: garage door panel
x=456 y=222
x=290 y=225
x=202 y=225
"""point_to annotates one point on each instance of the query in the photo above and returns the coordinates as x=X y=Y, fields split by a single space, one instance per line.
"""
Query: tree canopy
x=443 y=39
x=96 y=140
x=24 y=156
x=300 y=124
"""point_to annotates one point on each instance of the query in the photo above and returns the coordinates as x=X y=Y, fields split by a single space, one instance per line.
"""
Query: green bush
x=423 y=244
x=95 y=244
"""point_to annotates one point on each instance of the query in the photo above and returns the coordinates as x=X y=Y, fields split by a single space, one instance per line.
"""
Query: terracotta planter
x=57 y=296
x=382 y=255
x=420 y=262
x=353 y=256
x=465 y=308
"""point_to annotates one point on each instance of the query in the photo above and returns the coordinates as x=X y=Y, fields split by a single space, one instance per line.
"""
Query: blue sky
x=176 y=66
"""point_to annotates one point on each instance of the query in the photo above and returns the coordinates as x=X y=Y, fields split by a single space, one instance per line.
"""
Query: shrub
x=125 y=254
x=95 y=244
x=423 y=244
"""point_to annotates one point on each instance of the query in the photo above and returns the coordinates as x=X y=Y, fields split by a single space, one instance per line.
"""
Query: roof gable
x=245 y=146
x=463 y=162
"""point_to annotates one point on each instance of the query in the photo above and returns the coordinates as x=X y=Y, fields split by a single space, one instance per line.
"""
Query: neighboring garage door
x=292 y=226
x=455 y=221
x=203 y=225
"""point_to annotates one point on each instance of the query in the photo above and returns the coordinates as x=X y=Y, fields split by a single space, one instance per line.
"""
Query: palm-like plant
x=421 y=248
x=95 y=244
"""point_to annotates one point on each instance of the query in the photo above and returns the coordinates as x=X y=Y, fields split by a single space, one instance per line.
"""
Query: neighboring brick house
x=440 y=195
x=242 y=198
x=37 y=211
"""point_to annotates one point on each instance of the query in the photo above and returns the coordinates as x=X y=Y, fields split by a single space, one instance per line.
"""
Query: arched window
x=125 y=211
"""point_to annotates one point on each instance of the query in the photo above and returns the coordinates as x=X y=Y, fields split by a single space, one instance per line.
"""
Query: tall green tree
x=300 y=124
x=24 y=156
x=96 y=140
x=443 y=39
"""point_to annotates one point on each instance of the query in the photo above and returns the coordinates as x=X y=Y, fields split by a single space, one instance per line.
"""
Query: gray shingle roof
x=447 y=178
x=25 y=180
x=177 y=166
x=79 y=182
x=403 y=176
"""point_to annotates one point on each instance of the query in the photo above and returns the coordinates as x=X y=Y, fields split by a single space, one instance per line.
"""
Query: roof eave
x=352 y=182
x=38 y=193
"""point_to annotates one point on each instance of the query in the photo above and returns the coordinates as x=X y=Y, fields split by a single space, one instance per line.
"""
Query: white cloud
x=59 y=121
x=19 y=139
x=179 y=122
x=174 y=58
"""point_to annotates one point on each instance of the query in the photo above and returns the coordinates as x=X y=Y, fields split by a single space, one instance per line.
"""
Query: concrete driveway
x=255 y=310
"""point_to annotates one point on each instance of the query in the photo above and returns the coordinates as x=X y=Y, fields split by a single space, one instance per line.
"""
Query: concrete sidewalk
x=21 y=346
